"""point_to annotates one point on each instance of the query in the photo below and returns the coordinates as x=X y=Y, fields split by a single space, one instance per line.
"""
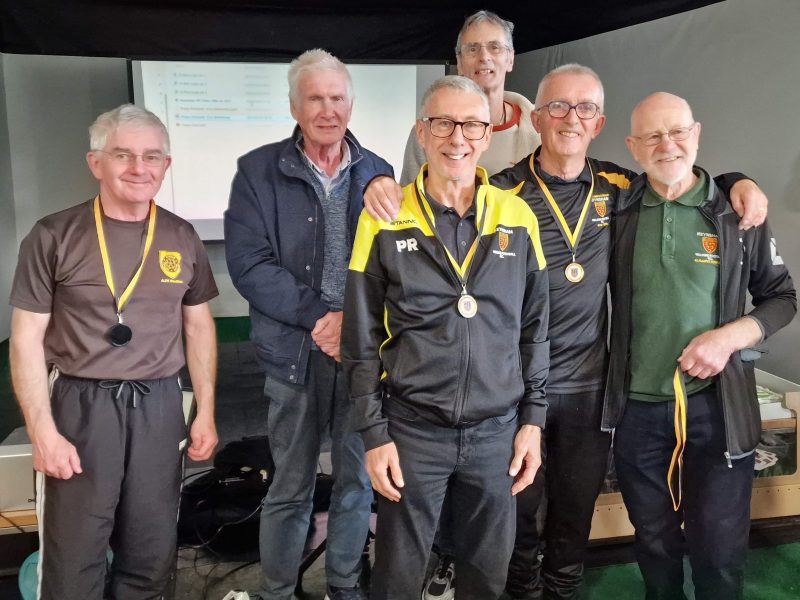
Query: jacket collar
x=291 y=162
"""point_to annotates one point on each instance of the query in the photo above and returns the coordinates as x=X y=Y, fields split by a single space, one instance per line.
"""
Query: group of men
x=450 y=339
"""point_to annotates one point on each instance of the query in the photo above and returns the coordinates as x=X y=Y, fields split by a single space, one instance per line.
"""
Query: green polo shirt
x=675 y=280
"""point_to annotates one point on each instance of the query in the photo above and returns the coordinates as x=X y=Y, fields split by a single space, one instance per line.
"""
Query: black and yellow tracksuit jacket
x=403 y=339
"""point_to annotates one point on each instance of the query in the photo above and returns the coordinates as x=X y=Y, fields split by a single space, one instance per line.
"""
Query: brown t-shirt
x=60 y=271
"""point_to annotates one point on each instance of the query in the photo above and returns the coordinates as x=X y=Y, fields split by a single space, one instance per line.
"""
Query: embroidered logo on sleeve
x=170 y=263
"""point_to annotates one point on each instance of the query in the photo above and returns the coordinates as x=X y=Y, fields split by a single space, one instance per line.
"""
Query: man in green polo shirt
x=681 y=398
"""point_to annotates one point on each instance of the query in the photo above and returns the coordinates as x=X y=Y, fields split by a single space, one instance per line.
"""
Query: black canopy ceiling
x=261 y=29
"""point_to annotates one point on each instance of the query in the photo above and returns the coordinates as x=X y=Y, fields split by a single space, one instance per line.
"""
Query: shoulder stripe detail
x=617 y=179
x=516 y=190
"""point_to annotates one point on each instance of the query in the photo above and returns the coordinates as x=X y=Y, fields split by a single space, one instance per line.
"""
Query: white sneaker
x=442 y=584
x=236 y=595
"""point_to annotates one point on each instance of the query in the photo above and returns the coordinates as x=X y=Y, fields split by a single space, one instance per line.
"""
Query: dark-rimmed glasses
x=443 y=127
x=558 y=109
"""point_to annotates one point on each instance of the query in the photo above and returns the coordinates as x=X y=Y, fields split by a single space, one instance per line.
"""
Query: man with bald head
x=680 y=392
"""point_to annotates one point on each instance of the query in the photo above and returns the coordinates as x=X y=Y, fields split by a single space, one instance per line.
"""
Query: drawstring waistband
x=118 y=385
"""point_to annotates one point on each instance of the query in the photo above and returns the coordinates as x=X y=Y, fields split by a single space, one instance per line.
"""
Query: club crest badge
x=709 y=244
x=170 y=263
x=502 y=240
x=600 y=208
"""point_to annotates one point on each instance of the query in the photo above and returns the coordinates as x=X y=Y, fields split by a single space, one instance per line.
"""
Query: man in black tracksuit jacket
x=445 y=346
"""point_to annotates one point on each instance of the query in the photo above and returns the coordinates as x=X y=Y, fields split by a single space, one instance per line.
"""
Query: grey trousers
x=126 y=498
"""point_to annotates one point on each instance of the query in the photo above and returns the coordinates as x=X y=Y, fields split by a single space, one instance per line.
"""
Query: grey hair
x=486 y=16
x=571 y=69
x=126 y=115
x=452 y=82
x=315 y=60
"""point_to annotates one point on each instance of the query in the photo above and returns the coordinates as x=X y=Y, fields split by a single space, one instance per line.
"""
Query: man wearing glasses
x=103 y=294
x=445 y=346
x=485 y=54
x=574 y=198
x=680 y=275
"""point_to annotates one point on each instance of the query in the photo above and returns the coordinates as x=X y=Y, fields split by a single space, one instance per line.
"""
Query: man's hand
x=527 y=457
x=327 y=334
x=708 y=353
x=383 y=468
x=382 y=198
x=204 y=437
x=54 y=455
x=749 y=202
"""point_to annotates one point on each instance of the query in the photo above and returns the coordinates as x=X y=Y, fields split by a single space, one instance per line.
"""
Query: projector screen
x=215 y=112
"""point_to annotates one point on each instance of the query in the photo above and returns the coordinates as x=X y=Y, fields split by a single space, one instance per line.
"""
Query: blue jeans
x=471 y=463
x=716 y=499
x=298 y=418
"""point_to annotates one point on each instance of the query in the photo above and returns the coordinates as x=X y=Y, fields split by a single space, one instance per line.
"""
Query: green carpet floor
x=770 y=574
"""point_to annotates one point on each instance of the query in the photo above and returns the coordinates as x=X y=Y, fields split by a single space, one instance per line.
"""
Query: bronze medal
x=574 y=272
x=467 y=306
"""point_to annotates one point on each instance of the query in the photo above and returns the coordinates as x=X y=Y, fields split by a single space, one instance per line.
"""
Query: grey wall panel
x=8 y=233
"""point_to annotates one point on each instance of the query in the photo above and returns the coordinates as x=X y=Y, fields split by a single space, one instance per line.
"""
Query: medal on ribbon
x=574 y=271
x=121 y=334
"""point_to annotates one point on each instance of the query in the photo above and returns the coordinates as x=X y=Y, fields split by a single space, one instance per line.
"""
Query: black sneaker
x=342 y=593
x=442 y=584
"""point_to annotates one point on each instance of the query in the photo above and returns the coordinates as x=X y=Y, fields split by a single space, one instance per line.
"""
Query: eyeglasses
x=559 y=109
x=442 y=128
x=678 y=134
x=493 y=48
x=150 y=159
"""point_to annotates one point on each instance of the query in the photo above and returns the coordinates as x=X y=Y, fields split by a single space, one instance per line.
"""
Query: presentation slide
x=215 y=112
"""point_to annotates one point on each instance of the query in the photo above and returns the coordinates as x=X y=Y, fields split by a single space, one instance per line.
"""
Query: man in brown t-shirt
x=102 y=294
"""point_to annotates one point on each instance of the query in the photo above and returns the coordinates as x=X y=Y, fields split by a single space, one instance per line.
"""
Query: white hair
x=315 y=60
x=571 y=69
x=452 y=82
x=126 y=115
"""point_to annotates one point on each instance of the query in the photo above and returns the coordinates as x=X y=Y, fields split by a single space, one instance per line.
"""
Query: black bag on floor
x=220 y=509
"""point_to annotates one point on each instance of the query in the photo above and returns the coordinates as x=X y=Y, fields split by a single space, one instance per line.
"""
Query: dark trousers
x=716 y=498
x=126 y=498
x=298 y=419
x=574 y=464
x=472 y=463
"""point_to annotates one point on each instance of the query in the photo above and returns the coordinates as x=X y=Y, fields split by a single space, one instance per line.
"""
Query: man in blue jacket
x=289 y=229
